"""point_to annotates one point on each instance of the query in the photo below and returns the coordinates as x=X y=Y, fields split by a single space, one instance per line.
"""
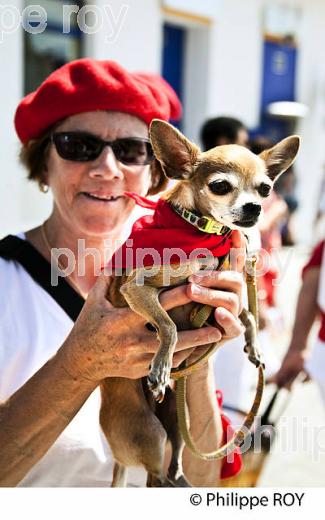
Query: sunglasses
x=82 y=147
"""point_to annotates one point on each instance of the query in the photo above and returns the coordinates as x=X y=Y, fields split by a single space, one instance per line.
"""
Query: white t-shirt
x=32 y=328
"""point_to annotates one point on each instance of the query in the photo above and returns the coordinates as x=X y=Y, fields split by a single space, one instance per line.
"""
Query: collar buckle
x=209 y=226
x=204 y=224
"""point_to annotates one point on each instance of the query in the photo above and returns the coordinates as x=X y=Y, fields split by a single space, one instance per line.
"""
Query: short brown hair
x=34 y=155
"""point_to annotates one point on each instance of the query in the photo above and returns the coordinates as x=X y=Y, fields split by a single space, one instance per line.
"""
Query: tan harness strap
x=198 y=319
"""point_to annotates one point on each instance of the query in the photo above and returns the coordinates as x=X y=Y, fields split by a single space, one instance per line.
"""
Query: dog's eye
x=220 y=187
x=264 y=189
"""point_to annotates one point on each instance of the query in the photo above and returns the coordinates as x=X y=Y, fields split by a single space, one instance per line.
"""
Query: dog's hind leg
x=143 y=299
x=175 y=471
x=154 y=481
x=167 y=414
x=119 y=475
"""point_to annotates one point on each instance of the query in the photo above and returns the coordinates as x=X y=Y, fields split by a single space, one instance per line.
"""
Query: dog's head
x=227 y=183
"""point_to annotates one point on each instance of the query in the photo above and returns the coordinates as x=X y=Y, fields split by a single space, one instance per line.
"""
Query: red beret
x=86 y=85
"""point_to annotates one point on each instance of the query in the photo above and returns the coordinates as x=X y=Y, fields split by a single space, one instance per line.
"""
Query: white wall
x=10 y=92
x=235 y=61
x=137 y=45
x=311 y=91
x=196 y=72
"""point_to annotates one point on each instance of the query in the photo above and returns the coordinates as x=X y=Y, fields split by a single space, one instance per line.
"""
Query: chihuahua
x=225 y=186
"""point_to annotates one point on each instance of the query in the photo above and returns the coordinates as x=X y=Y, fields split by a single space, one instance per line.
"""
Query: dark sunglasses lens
x=77 y=147
x=133 y=151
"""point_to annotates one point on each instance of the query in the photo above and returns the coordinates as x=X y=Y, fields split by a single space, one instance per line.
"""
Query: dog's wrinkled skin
x=227 y=184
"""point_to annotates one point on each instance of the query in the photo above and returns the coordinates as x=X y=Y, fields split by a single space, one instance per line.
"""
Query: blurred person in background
x=319 y=220
x=285 y=186
x=300 y=358
x=223 y=130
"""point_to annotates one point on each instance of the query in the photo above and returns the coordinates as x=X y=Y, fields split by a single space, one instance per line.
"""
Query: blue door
x=278 y=84
x=173 y=58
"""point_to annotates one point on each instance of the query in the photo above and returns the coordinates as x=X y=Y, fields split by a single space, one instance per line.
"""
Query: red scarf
x=162 y=231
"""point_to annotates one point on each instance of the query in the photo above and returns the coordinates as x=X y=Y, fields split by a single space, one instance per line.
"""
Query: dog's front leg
x=143 y=299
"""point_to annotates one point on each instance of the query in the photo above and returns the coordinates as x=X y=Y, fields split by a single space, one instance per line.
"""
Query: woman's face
x=75 y=184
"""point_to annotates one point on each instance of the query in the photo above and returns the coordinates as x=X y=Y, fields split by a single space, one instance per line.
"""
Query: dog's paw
x=158 y=380
x=179 y=482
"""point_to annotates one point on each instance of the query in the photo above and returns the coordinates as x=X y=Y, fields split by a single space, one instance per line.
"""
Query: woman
x=85 y=135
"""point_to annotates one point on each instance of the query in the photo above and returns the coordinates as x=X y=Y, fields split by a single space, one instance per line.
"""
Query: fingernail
x=216 y=335
x=196 y=277
x=195 y=289
x=221 y=313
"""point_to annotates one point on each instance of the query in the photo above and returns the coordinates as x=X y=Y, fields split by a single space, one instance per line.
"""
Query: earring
x=43 y=187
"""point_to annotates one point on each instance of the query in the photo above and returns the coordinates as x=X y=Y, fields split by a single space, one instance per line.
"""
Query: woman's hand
x=306 y=313
x=292 y=366
x=114 y=342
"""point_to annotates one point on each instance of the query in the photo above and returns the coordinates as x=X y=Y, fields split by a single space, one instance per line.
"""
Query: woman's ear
x=44 y=181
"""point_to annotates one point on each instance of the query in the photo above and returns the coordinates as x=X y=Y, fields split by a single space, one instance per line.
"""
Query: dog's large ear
x=281 y=156
x=176 y=154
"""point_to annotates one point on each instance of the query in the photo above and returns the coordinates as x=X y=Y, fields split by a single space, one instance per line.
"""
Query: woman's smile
x=100 y=197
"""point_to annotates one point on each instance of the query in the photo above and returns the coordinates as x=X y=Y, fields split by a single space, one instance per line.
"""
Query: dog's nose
x=252 y=209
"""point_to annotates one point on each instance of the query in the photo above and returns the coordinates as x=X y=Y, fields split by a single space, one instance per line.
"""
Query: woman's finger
x=179 y=357
x=227 y=280
x=197 y=337
x=230 y=281
x=186 y=339
x=215 y=298
x=231 y=325
x=174 y=297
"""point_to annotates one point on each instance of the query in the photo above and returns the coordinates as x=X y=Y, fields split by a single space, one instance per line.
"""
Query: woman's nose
x=106 y=166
